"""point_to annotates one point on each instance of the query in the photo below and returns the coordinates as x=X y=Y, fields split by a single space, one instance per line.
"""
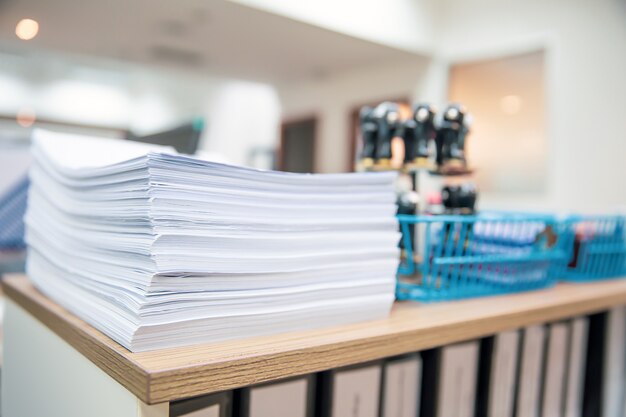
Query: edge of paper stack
x=159 y=250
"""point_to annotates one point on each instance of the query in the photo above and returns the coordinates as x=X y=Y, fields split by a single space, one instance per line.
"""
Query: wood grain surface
x=171 y=374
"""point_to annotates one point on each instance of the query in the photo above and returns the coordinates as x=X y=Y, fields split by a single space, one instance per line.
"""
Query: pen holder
x=458 y=256
x=597 y=248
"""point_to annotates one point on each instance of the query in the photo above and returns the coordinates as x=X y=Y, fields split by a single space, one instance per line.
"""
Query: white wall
x=332 y=98
x=404 y=24
x=507 y=142
x=585 y=43
x=242 y=116
x=239 y=115
x=585 y=61
x=117 y=96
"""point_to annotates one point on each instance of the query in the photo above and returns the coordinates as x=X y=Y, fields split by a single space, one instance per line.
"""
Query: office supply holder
x=450 y=257
x=597 y=247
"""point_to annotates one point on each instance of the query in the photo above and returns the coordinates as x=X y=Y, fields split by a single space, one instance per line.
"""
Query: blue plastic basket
x=12 y=209
x=597 y=248
x=452 y=257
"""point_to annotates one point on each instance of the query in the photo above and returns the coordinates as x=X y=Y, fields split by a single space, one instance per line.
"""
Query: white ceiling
x=213 y=37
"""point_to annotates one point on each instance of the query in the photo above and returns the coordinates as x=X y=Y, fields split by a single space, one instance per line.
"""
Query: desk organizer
x=598 y=248
x=458 y=256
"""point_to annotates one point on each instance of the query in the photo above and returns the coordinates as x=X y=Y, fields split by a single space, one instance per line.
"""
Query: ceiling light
x=25 y=117
x=27 y=29
x=511 y=104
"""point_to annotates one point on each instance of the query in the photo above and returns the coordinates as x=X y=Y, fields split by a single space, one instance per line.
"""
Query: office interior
x=274 y=84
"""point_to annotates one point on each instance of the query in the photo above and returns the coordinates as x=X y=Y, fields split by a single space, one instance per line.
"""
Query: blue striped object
x=598 y=248
x=12 y=209
x=454 y=256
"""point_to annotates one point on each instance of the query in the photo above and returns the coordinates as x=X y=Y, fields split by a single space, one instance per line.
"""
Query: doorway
x=297 y=145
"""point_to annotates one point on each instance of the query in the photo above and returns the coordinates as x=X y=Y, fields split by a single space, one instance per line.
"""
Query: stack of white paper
x=159 y=250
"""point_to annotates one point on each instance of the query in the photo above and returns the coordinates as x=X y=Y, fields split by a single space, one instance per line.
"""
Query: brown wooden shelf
x=171 y=374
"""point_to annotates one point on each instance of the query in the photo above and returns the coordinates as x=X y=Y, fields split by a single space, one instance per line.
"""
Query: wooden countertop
x=171 y=374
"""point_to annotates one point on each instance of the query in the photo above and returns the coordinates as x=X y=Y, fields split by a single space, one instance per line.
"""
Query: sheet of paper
x=356 y=392
x=157 y=249
x=401 y=393
x=457 y=380
x=503 y=374
x=577 y=361
x=529 y=385
x=282 y=399
x=556 y=360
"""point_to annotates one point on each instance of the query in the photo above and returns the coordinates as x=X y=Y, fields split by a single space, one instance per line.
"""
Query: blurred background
x=278 y=83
